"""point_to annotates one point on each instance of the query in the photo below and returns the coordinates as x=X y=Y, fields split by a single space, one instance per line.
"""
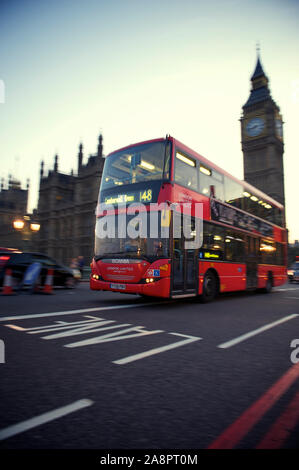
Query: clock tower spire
x=262 y=137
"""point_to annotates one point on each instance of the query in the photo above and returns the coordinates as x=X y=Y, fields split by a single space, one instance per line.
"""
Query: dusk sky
x=136 y=70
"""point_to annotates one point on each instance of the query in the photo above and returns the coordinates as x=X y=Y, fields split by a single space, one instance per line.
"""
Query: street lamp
x=35 y=227
x=27 y=228
x=18 y=224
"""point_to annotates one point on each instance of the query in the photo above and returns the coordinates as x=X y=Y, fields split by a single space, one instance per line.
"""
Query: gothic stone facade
x=13 y=205
x=66 y=208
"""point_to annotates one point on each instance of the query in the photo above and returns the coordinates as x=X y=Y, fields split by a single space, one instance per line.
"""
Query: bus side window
x=268 y=252
x=185 y=172
x=208 y=178
x=213 y=242
x=233 y=192
x=234 y=247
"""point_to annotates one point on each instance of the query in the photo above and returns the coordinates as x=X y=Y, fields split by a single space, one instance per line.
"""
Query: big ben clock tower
x=262 y=138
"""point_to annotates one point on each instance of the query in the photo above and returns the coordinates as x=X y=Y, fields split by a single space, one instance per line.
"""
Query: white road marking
x=137 y=331
x=86 y=330
x=82 y=310
x=44 y=418
x=151 y=352
x=87 y=325
x=16 y=327
x=287 y=288
x=239 y=339
x=58 y=325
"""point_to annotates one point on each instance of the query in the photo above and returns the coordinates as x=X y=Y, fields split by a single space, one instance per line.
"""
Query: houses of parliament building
x=66 y=208
x=65 y=212
x=67 y=202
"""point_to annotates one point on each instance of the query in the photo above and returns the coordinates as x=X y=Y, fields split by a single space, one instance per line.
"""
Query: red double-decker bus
x=243 y=240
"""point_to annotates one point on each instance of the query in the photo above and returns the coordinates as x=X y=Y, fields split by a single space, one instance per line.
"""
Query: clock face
x=278 y=127
x=255 y=126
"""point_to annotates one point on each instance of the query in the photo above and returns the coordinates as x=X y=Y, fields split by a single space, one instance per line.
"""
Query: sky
x=134 y=70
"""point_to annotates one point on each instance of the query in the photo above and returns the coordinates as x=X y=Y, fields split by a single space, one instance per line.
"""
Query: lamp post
x=27 y=227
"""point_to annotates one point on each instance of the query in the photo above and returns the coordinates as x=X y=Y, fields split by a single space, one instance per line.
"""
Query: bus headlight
x=95 y=276
x=149 y=279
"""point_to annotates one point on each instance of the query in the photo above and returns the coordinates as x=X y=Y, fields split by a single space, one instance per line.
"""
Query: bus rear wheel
x=269 y=285
x=209 y=288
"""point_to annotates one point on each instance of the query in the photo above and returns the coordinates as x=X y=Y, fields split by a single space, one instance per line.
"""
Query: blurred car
x=9 y=249
x=5 y=255
x=19 y=261
x=293 y=272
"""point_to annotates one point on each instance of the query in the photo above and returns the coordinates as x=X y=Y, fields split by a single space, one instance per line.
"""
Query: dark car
x=293 y=272
x=19 y=261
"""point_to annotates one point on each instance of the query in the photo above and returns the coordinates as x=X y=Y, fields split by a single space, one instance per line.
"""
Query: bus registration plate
x=118 y=286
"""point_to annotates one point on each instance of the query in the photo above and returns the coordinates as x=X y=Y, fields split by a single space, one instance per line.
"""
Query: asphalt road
x=95 y=370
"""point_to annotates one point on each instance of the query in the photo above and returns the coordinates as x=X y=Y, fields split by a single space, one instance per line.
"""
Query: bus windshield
x=136 y=164
x=142 y=246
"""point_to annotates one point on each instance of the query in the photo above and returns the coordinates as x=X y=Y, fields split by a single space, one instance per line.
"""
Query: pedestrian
x=74 y=263
x=81 y=263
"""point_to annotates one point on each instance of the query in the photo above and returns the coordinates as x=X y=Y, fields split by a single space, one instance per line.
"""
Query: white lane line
x=239 y=339
x=82 y=310
x=44 y=418
x=151 y=352
x=286 y=289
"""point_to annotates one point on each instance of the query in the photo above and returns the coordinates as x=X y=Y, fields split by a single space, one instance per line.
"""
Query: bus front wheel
x=209 y=288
